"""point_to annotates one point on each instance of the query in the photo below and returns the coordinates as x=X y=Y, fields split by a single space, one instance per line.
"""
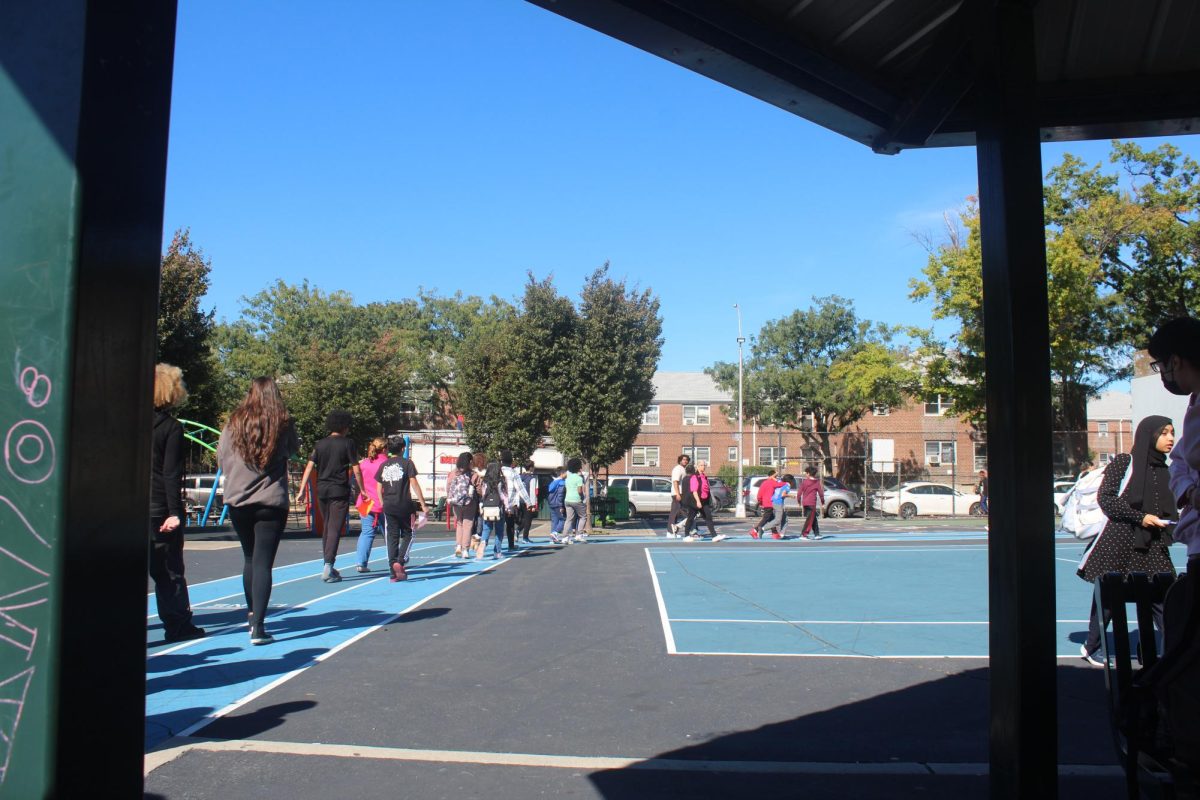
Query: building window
x=1105 y=458
x=1102 y=430
x=939 y=453
x=733 y=454
x=881 y=411
x=936 y=406
x=771 y=456
x=980 y=456
x=696 y=415
x=645 y=456
x=697 y=453
x=651 y=416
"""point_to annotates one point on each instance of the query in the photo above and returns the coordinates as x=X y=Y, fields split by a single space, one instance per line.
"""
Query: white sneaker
x=689 y=538
x=720 y=537
x=1095 y=659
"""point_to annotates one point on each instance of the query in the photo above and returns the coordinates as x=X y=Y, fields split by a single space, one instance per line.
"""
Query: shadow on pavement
x=892 y=728
x=244 y=726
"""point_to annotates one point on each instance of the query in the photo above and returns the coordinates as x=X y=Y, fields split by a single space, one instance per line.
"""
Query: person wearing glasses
x=1175 y=348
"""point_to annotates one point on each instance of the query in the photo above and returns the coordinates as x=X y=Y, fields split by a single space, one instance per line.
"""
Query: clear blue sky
x=378 y=146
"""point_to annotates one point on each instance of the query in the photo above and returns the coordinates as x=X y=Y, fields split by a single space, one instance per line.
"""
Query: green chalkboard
x=37 y=208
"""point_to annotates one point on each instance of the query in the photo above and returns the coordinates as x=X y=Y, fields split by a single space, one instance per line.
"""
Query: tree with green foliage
x=1119 y=264
x=390 y=363
x=818 y=371
x=185 y=331
x=611 y=360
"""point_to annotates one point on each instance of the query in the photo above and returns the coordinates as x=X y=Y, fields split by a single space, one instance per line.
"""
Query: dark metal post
x=85 y=90
x=1024 y=733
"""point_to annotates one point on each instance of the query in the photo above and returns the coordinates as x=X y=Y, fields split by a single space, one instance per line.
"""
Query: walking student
x=528 y=510
x=167 y=513
x=462 y=493
x=556 y=498
x=678 y=473
x=370 y=506
x=334 y=459
x=575 y=529
x=766 y=491
x=812 y=500
x=700 y=503
x=398 y=486
x=518 y=497
x=491 y=509
x=779 y=497
x=253 y=454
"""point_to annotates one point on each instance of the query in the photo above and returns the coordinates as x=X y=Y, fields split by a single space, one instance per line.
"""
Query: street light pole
x=740 y=509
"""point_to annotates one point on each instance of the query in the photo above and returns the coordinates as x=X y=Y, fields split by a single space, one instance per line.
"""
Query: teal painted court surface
x=827 y=599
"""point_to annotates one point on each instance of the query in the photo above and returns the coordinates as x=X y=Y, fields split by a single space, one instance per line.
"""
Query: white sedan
x=923 y=497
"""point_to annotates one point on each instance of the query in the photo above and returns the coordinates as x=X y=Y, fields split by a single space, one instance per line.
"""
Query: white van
x=648 y=494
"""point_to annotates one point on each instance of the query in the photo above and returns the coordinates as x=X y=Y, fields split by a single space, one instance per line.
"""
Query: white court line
x=847 y=621
x=160 y=757
x=662 y=606
x=203 y=603
x=358 y=584
x=819 y=549
x=328 y=653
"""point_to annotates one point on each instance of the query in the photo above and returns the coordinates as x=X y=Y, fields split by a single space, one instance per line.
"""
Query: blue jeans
x=366 y=539
x=490 y=527
x=557 y=519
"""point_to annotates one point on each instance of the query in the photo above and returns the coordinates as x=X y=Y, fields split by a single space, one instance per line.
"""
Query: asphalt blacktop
x=550 y=674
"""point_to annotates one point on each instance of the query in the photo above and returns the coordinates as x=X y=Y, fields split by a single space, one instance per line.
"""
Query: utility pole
x=740 y=509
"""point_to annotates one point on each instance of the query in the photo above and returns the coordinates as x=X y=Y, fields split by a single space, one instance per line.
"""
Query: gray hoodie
x=246 y=484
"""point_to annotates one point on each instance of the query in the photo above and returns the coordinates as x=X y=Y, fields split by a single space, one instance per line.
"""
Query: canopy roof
x=896 y=74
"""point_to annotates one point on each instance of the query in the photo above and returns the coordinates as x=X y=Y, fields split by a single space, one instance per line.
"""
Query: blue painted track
x=188 y=683
x=827 y=599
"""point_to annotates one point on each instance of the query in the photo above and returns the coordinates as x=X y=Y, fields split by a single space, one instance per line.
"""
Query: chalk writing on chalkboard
x=30 y=458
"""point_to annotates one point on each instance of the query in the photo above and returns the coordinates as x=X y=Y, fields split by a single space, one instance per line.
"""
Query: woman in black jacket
x=1135 y=539
x=166 y=508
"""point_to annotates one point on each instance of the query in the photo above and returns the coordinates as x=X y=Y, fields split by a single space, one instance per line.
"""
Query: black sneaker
x=186 y=635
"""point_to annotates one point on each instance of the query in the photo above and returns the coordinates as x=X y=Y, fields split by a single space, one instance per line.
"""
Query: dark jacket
x=166 y=468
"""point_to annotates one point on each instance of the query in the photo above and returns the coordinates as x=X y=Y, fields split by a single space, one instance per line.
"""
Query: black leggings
x=258 y=529
x=704 y=511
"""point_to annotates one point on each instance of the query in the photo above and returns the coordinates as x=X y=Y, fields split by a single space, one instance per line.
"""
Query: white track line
x=203 y=603
x=285 y=566
x=163 y=756
x=847 y=621
x=358 y=584
x=208 y=719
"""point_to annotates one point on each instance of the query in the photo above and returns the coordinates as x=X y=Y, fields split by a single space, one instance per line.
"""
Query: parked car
x=647 y=493
x=925 y=498
x=722 y=494
x=1062 y=487
x=196 y=491
x=840 y=500
x=650 y=494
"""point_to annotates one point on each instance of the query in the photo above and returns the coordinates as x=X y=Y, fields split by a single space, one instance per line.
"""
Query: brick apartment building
x=1110 y=426
x=919 y=440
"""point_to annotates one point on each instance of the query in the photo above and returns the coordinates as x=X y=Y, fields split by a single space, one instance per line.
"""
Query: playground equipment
x=207 y=437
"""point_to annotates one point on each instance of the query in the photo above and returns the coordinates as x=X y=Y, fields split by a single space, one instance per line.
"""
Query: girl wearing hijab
x=1135 y=538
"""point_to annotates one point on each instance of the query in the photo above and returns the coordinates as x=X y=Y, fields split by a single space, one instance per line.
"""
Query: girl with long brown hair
x=253 y=453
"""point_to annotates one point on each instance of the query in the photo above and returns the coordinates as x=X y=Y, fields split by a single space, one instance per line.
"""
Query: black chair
x=1143 y=742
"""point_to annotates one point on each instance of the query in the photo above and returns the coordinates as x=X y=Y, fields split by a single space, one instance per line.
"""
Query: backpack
x=1082 y=516
x=461 y=489
x=557 y=495
x=494 y=498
